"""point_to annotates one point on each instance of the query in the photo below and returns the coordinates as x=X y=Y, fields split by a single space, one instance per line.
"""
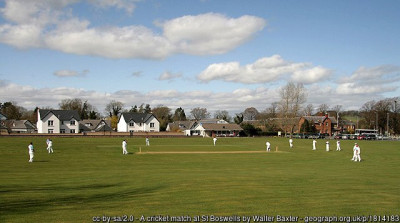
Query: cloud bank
x=264 y=70
x=52 y=25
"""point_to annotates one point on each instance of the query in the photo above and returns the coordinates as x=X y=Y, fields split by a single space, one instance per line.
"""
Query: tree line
x=381 y=115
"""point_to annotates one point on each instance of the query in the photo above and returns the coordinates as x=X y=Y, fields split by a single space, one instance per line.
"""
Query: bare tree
x=250 y=114
x=323 y=108
x=114 y=108
x=308 y=110
x=292 y=98
x=224 y=114
x=273 y=110
x=200 y=113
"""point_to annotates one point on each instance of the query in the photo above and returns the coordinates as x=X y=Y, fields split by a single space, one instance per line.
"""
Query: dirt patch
x=208 y=152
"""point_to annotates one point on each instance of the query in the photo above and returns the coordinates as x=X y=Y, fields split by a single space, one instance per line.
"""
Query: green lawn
x=88 y=177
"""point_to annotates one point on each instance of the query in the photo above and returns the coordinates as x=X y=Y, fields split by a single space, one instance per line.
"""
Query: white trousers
x=124 y=151
x=31 y=155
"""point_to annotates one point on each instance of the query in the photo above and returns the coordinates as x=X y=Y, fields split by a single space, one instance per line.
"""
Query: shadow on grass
x=30 y=205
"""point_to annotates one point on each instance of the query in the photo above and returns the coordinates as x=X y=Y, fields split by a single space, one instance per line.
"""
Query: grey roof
x=182 y=125
x=19 y=124
x=95 y=125
x=63 y=115
x=136 y=117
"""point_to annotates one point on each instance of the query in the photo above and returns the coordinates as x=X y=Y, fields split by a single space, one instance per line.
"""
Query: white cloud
x=168 y=76
x=374 y=80
x=128 y=5
x=312 y=75
x=52 y=24
x=264 y=70
x=210 y=33
x=70 y=73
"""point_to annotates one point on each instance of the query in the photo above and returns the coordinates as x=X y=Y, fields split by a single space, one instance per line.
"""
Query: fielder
x=31 y=152
x=327 y=146
x=47 y=143
x=124 y=144
x=291 y=143
x=147 y=142
x=314 y=144
x=338 y=146
x=268 y=146
x=215 y=140
x=356 y=153
x=50 y=146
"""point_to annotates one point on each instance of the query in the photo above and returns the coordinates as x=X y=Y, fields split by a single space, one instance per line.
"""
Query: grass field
x=89 y=177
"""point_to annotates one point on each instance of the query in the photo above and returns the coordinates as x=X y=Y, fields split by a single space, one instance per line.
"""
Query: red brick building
x=323 y=124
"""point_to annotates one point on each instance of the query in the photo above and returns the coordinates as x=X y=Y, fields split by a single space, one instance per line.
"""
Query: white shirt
x=30 y=148
x=268 y=144
x=124 y=144
x=50 y=143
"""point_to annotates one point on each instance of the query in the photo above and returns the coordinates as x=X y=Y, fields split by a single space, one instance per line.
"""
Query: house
x=58 y=121
x=323 y=124
x=19 y=126
x=348 y=126
x=90 y=125
x=138 y=122
x=180 y=126
x=211 y=129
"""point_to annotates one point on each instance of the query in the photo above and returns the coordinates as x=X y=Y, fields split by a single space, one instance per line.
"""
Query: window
x=50 y=122
x=151 y=125
x=72 y=131
x=50 y=131
x=72 y=123
x=62 y=130
x=131 y=124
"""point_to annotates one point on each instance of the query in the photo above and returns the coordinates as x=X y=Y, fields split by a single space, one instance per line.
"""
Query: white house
x=138 y=122
x=58 y=121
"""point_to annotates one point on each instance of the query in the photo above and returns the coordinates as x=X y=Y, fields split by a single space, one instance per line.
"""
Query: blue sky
x=222 y=55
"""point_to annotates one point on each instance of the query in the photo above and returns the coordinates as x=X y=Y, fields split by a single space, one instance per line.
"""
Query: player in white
x=215 y=140
x=47 y=143
x=291 y=143
x=338 y=146
x=147 y=142
x=314 y=144
x=124 y=144
x=268 y=146
x=31 y=152
x=327 y=146
x=50 y=146
x=356 y=153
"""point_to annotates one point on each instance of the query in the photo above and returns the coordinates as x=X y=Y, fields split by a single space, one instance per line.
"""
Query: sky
x=220 y=55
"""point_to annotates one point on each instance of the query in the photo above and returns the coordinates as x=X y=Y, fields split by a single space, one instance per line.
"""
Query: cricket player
x=215 y=140
x=327 y=146
x=31 y=152
x=124 y=144
x=356 y=153
x=147 y=142
x=268 y=146
x=291 y=143
x=338 y=146
x=47 y=143
x=50 y=146
x=314 y=144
